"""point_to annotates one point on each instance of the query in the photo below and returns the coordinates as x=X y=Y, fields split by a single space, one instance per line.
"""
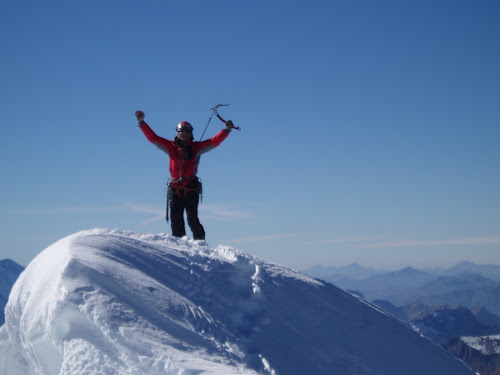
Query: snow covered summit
x=109 y=302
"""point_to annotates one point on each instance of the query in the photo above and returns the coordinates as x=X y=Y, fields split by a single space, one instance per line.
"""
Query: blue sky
x=370 y=129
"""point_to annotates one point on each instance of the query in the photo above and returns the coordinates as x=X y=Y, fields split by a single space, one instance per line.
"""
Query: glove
x=230 y=125
x=140 y=116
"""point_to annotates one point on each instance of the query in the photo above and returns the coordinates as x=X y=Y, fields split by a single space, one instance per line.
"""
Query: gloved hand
x=140 y=116
x=230 y=125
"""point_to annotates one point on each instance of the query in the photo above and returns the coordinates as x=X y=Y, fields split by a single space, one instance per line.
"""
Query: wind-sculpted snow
x=114 y=303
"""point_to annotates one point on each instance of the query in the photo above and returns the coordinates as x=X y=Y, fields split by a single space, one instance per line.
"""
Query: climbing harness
x=174 y=187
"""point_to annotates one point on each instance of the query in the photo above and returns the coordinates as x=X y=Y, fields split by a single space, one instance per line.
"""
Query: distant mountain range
x=489 y=271
x=357 y=272
x=442 y=323
x=466 y=284
x=458 y=308
x=331 y=274
x=9 y=272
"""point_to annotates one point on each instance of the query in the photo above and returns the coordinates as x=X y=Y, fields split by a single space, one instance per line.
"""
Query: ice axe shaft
x=214 y=109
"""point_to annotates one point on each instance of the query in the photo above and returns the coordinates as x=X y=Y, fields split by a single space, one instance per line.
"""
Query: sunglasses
x=184 y=131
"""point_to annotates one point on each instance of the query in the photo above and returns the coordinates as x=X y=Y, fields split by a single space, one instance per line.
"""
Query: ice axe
x=214 y=110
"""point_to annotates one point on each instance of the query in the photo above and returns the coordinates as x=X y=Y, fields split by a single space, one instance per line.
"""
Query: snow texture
x=116 y=303
x=484 y=344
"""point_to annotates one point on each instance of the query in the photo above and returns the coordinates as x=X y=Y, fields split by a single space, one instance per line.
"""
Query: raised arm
x=216 y=140
x=162 y=143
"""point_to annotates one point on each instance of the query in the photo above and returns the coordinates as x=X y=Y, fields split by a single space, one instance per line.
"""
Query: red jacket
x=182 y=169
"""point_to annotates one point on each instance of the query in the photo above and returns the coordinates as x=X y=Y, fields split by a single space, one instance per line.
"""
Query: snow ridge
x=112 y=302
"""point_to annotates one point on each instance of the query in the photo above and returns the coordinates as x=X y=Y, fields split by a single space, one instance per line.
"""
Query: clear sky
x=370 y=129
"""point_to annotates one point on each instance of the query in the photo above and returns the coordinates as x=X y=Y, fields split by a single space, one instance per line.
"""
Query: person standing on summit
x=184 y=188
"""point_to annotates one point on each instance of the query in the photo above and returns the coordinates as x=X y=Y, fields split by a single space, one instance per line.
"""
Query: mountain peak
x=409 y=269
x=114 y=302
x=9 y=272
x=355 y=266
x=8 y=264
x=466 y=263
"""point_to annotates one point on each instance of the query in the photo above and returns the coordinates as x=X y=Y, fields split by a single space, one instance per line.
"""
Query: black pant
x=185 y=199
